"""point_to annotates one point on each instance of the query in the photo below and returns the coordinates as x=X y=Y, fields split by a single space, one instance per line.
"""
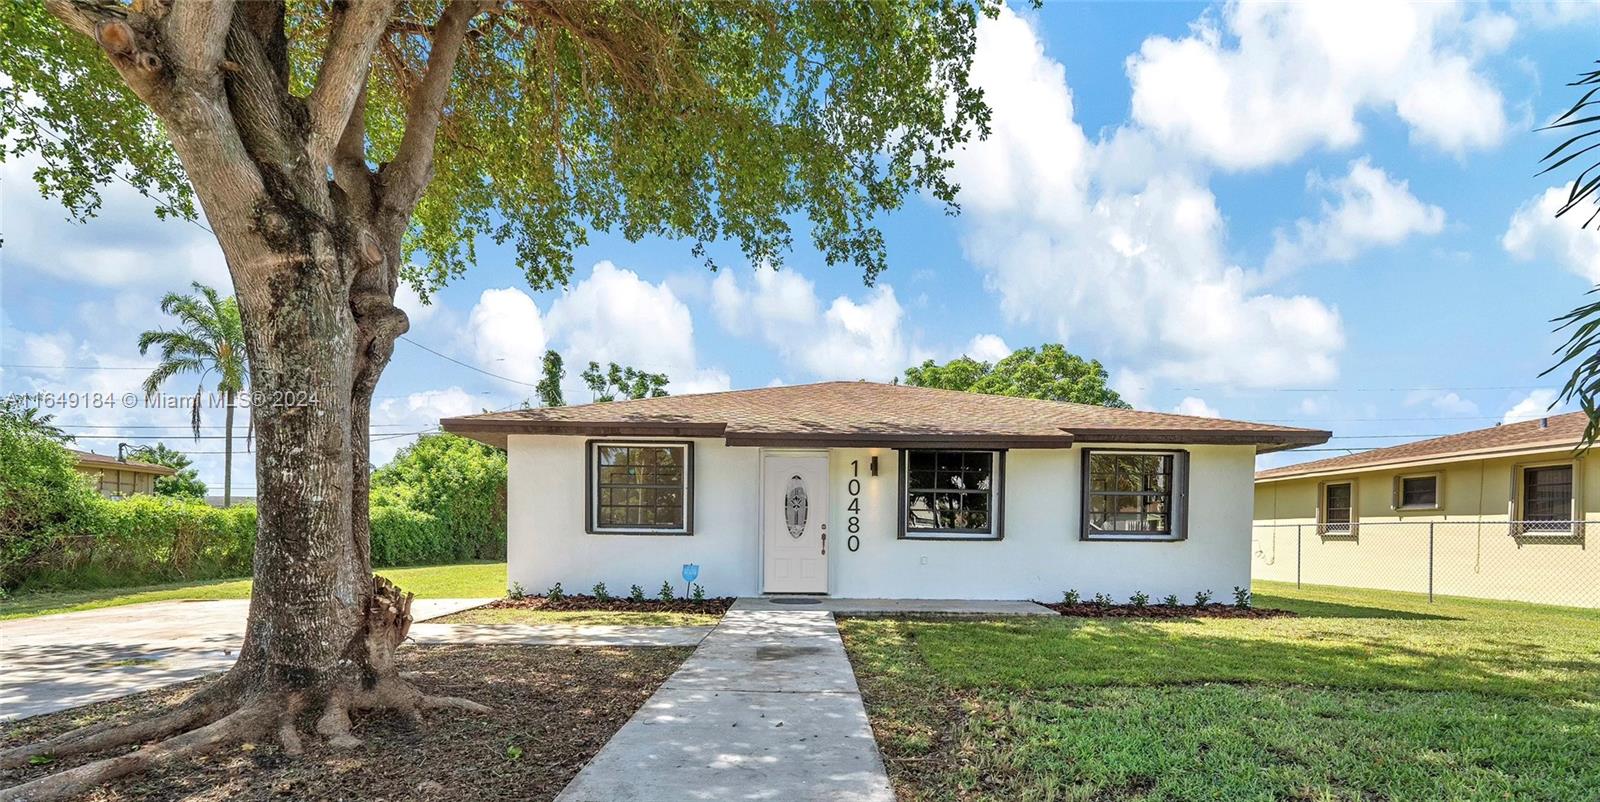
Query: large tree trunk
x=315 y=266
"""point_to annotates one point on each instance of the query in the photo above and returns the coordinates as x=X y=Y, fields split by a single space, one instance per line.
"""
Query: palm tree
x=209 y=341
x=1581 y=124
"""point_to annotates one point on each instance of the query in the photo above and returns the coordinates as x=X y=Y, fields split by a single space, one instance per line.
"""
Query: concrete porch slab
x=867 y=608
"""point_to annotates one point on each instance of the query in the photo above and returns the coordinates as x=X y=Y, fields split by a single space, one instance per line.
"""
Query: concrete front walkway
x=766 y=708
x=53 y=662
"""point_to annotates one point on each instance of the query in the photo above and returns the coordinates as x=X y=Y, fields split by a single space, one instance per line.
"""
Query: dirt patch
x=554 y=707
x=712 y=606
x=1091 y=610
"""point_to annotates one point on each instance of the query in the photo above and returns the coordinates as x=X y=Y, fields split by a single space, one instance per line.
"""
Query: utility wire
x=465 y=365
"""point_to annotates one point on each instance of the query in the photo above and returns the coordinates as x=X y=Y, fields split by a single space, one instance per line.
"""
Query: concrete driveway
x=54 y=662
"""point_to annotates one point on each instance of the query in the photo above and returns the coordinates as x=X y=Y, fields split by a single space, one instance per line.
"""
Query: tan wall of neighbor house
x=1476 y=550
x=118 y=483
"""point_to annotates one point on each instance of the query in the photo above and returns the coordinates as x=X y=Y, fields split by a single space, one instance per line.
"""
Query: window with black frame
x=640 y=488
x=951 y=494
x=1547 y=498
x=1134 y=495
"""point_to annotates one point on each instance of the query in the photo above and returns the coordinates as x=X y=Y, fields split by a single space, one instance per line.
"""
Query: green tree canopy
x=615 y=380
x=549 y=387
x=183 y=484
x=1048 y=372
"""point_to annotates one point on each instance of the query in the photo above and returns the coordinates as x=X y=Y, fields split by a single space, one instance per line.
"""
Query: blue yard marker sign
x=691 y=572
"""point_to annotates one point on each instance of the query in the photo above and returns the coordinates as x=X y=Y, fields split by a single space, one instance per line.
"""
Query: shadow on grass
x=1307 y=608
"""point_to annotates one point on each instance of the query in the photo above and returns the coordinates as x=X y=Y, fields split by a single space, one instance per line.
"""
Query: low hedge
x=442 y=501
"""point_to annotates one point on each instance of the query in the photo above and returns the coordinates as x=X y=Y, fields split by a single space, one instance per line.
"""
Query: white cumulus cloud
x=1367 y=208
x=1262 y=83
x=1134 y=266
x=1535 y=405
x=1535 y=233
x=508 y=334
x=1190 y=405
x=987 y=348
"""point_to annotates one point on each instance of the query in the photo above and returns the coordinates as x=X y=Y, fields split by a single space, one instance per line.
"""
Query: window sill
x=949 y=536
x=645 y=532
x=1132 y=538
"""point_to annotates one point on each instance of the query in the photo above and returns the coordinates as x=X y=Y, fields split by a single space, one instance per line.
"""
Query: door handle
x=824 y=539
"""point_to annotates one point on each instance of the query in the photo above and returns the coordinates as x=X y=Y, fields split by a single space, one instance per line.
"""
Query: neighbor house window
x=1336 y=513
x=951 y=495
x=1547 y=497
x=640 y=488
x=1417 y=492
x=1135 y=495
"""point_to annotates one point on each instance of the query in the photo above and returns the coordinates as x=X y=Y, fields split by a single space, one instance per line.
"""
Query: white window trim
x=1519 y=499
x=592 y=488
x=1355 y=508
x=1397 y=497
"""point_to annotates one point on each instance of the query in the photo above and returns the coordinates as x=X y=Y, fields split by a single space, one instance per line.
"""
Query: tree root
x=241 y=724
x=203 y=708
x=225 y=713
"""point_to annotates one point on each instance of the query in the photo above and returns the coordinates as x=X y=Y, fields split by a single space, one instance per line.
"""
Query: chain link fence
x=1544 y=562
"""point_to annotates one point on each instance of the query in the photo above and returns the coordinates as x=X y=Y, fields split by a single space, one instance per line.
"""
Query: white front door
x=794 y=520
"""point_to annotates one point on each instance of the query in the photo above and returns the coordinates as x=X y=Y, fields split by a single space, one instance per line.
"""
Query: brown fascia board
x=1426 y=460
x=473 y=427
x=896 y=440
x=1264 y=441
x=137 y=467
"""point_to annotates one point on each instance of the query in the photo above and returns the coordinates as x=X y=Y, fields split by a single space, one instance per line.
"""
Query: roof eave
x=1430 y=459
x=848 y=439
x=1264 y=441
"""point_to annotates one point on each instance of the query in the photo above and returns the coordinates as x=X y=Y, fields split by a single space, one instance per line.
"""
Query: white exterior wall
x=1039 y=557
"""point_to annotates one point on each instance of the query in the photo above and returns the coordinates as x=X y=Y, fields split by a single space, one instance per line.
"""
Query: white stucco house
x=866 y=490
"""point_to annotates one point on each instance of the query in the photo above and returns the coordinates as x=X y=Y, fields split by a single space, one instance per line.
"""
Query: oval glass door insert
x=796 y=507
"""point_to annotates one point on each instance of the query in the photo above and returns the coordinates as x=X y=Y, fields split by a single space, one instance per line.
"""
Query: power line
x=467 y=366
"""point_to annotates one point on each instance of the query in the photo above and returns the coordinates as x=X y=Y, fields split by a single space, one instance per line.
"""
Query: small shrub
x=636 y=593
x=666 y=593
x=1139 y=600
x=1102 y=600
x=1071 y=597
x=1241 y=597
x=699 y=593
x=1202 y=598
x=1170 y=600
x=599 y=592
x=517 y=591
x=555 y=593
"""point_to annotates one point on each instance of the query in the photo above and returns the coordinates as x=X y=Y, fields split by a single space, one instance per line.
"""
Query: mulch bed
x=554 y=707
x=1091 y=610
x=712 y=606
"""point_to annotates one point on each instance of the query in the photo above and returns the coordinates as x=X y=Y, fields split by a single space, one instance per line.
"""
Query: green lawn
x=1367 y=695
x=466 y=580
x=648 y=618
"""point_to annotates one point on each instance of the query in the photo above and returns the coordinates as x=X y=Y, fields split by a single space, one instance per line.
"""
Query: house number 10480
x=852 y=524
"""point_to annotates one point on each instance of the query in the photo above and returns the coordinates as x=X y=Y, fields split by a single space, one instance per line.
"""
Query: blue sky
x=1324 y=215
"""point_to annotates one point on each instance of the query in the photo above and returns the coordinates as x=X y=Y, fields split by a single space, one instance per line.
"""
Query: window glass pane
x=1547 y=493
x=1130 y=493
x=949 y=490
x=1419 y=491
x=640 y=486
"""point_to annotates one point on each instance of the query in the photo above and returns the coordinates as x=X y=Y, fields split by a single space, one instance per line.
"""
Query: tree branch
x=344 y=73
x=199 y=28
x=407 y=176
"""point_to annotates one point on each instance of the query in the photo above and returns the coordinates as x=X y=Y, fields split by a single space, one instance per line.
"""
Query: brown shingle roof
x=1558 y=431
x=869 y=413
x=92 y=460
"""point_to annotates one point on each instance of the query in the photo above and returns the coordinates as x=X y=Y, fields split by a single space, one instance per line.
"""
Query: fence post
x=1430 y=562
x=1298 y=530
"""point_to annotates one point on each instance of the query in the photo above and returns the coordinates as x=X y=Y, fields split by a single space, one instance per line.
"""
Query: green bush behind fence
x=446 y=504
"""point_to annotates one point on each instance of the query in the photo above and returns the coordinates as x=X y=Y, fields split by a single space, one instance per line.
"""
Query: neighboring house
x=116 y=478
x=1495 y=512
x=859 y=489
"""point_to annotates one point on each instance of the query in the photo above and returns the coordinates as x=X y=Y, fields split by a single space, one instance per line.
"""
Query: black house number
x=852 y=525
